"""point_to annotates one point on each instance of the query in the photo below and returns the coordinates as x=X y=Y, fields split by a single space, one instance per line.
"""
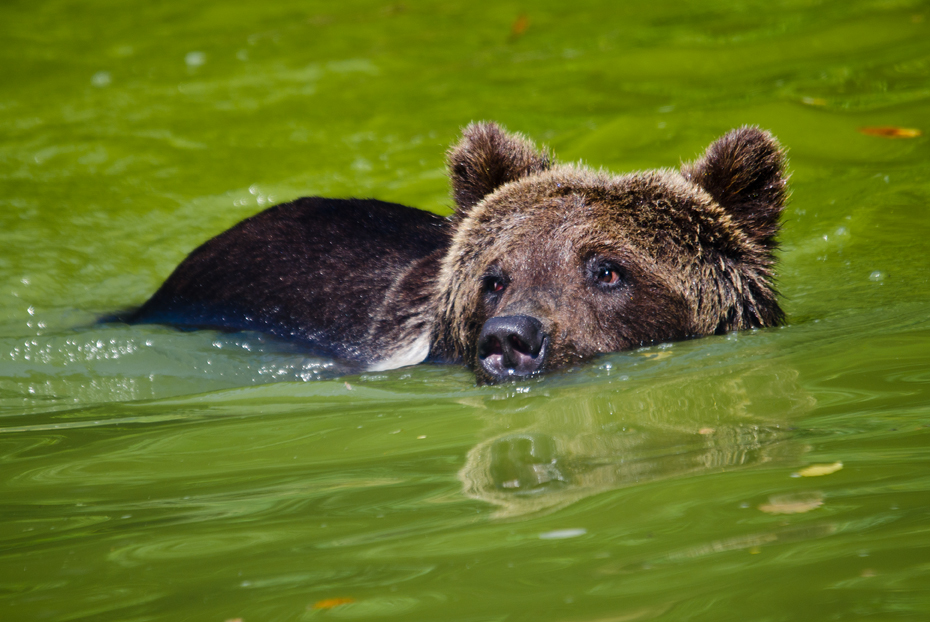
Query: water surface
x=150 y=474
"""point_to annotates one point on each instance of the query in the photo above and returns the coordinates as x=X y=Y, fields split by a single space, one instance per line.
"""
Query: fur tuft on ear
x=744 y=171
x=486 y=158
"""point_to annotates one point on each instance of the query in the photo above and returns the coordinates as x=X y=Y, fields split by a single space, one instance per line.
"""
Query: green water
x=147 y=474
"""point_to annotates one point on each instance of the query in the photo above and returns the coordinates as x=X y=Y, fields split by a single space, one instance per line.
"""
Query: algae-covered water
x=149 y=474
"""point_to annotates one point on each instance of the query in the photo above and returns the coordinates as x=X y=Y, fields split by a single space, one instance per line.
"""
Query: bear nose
x=512 y=346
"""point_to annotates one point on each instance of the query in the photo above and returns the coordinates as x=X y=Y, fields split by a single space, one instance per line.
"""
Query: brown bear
x=540 y=267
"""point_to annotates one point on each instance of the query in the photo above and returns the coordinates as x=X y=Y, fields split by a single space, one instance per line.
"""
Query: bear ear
x=744 y=171
x=486 y=158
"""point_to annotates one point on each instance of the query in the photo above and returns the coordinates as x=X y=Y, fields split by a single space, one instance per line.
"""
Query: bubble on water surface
x=195 y=59
x=877 y=276
x=101 y=79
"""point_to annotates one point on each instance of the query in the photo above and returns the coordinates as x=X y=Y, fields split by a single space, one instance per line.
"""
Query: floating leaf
x=329 y=603
x=519 y=27
x=792 y=504
x=816 y=470
x=891 y=132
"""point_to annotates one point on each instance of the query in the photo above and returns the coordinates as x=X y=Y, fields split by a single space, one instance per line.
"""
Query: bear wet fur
x=541 y=266
x=345 y=278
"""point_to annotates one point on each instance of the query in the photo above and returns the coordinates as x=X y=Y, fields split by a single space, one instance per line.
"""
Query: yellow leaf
x=329 y=603
x=891 y=132
x=816 y=470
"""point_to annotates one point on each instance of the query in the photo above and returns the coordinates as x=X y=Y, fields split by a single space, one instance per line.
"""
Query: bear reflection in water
x=577 y=442
x=541 y=266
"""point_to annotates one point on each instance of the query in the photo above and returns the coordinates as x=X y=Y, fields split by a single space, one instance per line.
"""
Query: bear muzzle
x=512 y=346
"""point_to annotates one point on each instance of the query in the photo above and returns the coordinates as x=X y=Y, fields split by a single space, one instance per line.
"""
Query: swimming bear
x=541 y=266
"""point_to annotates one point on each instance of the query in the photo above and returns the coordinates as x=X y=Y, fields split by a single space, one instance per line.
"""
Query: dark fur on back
x=344 y=277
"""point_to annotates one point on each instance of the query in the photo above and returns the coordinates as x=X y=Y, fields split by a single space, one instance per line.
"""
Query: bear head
x=553 y=264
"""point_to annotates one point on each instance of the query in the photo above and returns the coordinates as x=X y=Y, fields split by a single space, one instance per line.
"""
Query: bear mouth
x=518 y=365
x=512 y=347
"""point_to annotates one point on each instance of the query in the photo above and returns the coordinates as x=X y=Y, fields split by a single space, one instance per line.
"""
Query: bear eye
x=494 y=284
x=607 y=275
